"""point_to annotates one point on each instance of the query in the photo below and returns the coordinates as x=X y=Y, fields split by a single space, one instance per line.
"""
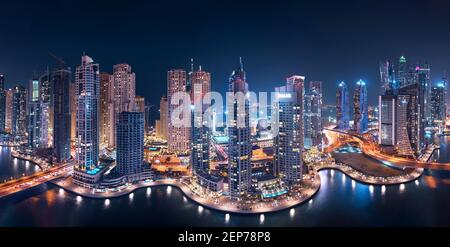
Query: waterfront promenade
x=222 y=203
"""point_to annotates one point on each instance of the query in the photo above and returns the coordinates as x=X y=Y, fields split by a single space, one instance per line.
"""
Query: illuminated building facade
x=288 y=136
x=438 y=110
x=2 y=103
x=402 y=72
x=106 y=92
x=313 y=114
x=405 y=126
x=8 y=110
x=124 y=81
x=34 y=114
x=200 y=85
x=386 y=120
x=342 y=107
x=162 y=123
x=239 y=145
x=19 y=111
x=87 y=139
x=409 y=125
x=46 y=109
x=360 y=114
x=178 y=133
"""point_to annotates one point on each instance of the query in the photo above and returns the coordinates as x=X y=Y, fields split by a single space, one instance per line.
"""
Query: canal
x=339 y=202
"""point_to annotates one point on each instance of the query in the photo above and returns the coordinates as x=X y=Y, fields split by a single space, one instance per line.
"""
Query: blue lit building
x=239 y=145
x=61 y=81
x=360 y=114
x=87 y=121
x=342 y=107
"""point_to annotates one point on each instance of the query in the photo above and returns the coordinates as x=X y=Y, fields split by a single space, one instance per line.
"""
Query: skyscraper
x=402 y=72
x=34 y=114
x=106 y=87
x=2 y=103
x=124 y=81
x=9 y=110
x=409 y=130
x=46 y=109
x=437 y=108
x=61 y=81
x=313 y=113
x=87 y=141
x=342 y=107
x=288 y=124
x=386 y=120
x=162 y=123
x=239 y=144
x=73 y=112
x=424 y=80
x=179 y=137
x=130 y=144
x=19 y=112
x=360 y=117
x=200 y=85
x=387 y=77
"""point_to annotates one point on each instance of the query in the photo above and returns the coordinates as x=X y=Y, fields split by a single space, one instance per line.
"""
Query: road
x=338 y=138
x=36 y=179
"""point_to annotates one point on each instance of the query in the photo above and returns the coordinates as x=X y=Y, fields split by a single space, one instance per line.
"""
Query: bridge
x=338 y=138
x=27 y=182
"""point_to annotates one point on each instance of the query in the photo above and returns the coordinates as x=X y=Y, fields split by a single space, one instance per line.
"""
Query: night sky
x=322 y=40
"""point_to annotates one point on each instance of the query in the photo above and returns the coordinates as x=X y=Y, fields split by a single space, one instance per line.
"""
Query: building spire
x=241 y=65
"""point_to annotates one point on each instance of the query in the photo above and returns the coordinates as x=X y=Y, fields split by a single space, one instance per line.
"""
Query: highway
x=36 y=179
x=338 y=138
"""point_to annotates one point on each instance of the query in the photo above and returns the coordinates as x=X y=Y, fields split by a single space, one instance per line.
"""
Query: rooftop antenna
x=192 y=65
x=240 y=63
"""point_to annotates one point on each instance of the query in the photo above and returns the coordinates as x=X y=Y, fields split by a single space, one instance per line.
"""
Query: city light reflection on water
x=342 y=202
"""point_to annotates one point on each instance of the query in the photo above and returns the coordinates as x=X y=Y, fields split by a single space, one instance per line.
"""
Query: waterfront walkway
x=373 y=180
x=194 y=192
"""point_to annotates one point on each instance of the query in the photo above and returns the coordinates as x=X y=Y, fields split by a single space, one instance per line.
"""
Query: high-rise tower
x=239 y=146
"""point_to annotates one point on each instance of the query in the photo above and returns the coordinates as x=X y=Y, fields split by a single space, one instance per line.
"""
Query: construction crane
x=61 y=62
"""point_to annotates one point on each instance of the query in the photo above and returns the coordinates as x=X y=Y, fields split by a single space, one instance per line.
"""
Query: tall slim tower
x=88 y=87
x=200 y=85
x=239 y=145
x=438 y=111
x=342 y=107
x=288 y=137
x=8 y=110
x=106 y=86
x=360 y=116
x=179 y=136
x=402 y=72
x=2 y=103
x=46 y=109
x=19 y=111
x=162 y=123
x=34 y=114
x=61 y=81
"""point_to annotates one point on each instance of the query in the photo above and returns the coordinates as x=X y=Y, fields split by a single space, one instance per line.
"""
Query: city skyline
x=254 y=112
x=312 y=54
